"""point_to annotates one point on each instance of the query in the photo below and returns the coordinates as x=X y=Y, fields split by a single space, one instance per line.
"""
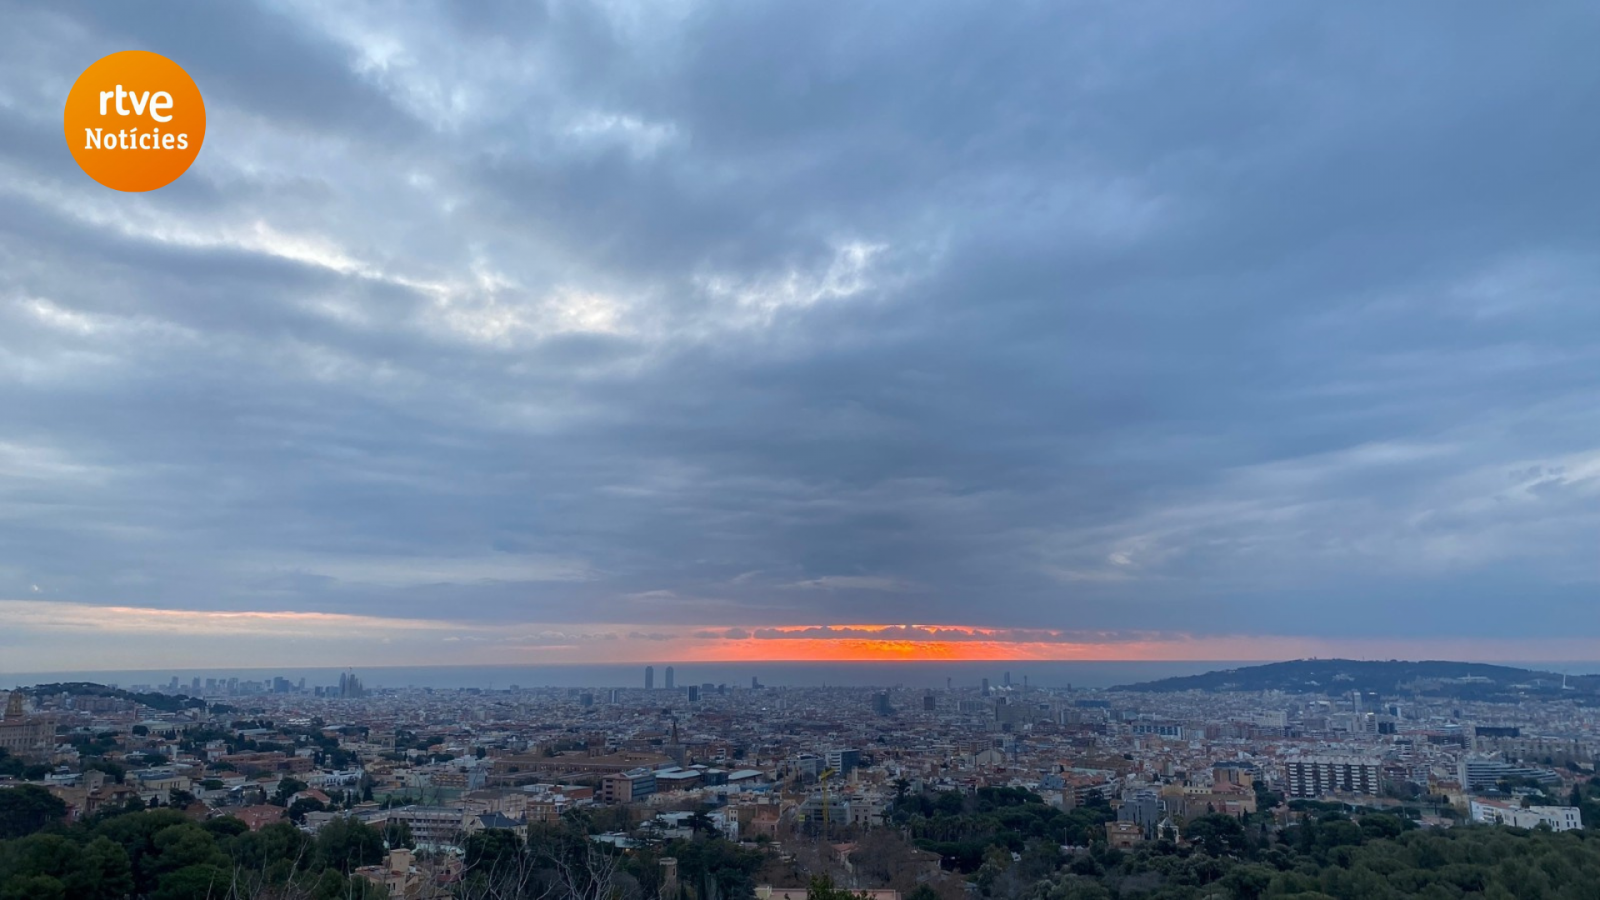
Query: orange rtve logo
x=134 y=121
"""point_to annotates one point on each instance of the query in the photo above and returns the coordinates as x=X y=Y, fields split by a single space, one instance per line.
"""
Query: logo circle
x=134 y=121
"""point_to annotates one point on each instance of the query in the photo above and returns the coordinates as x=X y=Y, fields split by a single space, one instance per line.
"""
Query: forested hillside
x=1004 y=843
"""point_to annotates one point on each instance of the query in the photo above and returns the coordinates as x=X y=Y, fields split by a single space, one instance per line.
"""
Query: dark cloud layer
x=1219 y=319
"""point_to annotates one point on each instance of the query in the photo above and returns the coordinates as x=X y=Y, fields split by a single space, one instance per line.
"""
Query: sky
x=697 y=330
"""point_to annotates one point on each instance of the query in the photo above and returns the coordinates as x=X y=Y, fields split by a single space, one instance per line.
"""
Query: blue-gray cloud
x=1220 y=319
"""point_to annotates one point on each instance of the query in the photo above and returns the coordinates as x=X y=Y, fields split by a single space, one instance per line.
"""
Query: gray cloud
x=1047 y=319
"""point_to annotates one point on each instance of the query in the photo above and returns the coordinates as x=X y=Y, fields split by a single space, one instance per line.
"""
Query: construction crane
x=826 y=774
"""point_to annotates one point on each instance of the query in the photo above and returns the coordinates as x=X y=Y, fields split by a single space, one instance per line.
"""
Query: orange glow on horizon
x=127 y=636
x=993 y=645
x=857 y=650
x=952 y=643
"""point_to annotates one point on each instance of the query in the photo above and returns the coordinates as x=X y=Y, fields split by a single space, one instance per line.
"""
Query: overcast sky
x=520 y=332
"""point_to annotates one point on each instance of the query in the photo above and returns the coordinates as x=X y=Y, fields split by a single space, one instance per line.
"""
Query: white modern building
x=1558 y=818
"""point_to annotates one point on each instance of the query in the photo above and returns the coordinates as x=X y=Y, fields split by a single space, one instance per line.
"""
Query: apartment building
x=1315 y=776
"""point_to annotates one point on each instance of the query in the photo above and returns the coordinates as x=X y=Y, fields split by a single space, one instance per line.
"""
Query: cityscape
x=844 y=786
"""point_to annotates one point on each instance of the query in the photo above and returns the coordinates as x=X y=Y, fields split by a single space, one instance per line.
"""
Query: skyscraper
x=843 y=761
x=350 y=686
x=670 y=678
x=649 y=678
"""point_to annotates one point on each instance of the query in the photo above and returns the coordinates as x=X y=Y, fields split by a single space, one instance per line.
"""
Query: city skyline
x=724 y=332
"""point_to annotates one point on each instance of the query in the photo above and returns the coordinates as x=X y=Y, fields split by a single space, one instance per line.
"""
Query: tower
x=670 y=678
x=14 y=705
x=649 y=678
x=669 y=877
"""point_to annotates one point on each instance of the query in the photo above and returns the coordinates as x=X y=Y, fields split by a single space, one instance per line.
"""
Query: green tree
x=204 y=882
x=135 y=832
x=1249 y=882
x=397 y=833
x=181 y=846
x=105 y=873
x=27 y=808
x=717 y=866
x=33 y=887
x=275 y=852
x=299 y=808
x=493 y=848
x=287 y=787
x=1218 y=835
x=225 y=827
x=347 y=844
x=700 y=822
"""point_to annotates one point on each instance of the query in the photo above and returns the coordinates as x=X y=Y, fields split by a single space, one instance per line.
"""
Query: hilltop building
x=24 y=736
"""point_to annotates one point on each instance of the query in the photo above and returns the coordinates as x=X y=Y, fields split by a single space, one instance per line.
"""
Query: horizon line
x=820 y=662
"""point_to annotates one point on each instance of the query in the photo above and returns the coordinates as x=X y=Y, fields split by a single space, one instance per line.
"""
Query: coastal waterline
x=1040 y=674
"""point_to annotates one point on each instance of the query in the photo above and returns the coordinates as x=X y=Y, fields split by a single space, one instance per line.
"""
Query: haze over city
x=737 y=332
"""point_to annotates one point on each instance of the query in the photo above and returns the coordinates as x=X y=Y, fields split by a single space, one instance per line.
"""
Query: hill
x=1433 y=678
x=163 y=702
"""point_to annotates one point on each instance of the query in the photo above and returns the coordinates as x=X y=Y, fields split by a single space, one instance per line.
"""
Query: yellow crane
x=826 y=774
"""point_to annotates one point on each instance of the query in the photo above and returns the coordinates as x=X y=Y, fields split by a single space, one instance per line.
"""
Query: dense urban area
x=1324 y=779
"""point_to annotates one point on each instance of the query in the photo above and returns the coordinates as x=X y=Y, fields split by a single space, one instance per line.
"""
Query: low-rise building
x=1124 y=835
x=1557 y=818
x=628 y=787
